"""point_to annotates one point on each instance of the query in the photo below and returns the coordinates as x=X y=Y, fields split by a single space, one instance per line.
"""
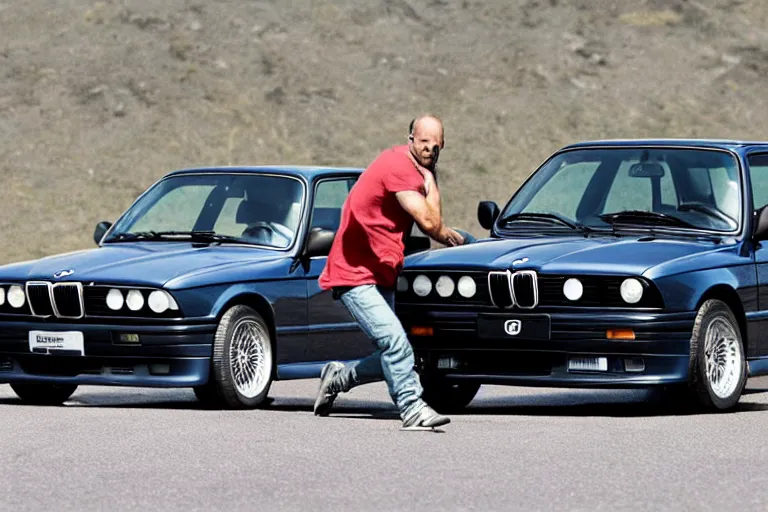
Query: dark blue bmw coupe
x=209 y=280
x=616 y=264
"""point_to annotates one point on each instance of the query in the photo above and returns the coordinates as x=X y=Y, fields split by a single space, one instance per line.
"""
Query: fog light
x=447 y=363
x=129 y=338
x=620 y=334
x=634 y=365
x=422 y=331
x=159 y=369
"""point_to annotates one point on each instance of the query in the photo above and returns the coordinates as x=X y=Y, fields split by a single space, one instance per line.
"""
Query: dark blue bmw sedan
x=632 y=263
x=208 y=281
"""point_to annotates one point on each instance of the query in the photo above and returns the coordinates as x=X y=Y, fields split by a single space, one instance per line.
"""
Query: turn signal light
x=620 y=334
x=422 y=331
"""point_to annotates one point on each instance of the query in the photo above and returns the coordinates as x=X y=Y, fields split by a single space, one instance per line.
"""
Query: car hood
x=593 y=255
x=142 y=263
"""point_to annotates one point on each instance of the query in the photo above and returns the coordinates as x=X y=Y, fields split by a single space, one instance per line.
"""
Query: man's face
x=426 y=142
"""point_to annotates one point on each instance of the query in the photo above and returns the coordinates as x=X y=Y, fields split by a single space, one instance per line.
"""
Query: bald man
x=396 y=190
x=468 y=238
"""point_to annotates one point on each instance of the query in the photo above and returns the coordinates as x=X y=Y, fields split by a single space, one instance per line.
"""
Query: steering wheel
x=257 y=228
x=708 y=210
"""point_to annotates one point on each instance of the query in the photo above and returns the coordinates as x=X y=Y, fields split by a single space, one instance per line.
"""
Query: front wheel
x=243 y=361
x=717 y=369
x=43 y=393
x=446 y=396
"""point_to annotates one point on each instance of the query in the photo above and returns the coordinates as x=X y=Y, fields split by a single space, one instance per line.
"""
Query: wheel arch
x=730 y=297
x=263 y=307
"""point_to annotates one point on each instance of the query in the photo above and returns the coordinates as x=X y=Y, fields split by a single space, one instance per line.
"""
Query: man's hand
x=453 y=237
x=427 y=215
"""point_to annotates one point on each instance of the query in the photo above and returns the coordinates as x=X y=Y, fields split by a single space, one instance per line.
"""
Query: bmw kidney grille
x=62 y=300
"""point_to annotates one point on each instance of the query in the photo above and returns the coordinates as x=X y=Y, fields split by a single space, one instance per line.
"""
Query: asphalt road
x=515 y=449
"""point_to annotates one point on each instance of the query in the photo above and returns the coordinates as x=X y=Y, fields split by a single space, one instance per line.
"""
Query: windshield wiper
x=641 y=217
x=550 y=218
x=194 y=236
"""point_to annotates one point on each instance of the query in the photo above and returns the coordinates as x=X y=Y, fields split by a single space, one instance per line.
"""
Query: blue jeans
x=373 y=309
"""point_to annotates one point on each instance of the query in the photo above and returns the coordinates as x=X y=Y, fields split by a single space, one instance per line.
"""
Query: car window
x=758 y=171
x=177 y=210
x=329 y=199
x=699 y=187
x=563 y=192
x=254 y=208
x=629 y=193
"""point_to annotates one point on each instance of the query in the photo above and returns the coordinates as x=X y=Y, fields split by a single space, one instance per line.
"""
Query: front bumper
x=164 y=356
x=474 y=346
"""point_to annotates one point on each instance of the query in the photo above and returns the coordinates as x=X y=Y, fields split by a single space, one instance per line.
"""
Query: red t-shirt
x=368 y=247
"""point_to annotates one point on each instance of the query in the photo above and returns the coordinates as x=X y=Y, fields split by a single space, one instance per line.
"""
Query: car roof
x=304 y=171
x=695 y=143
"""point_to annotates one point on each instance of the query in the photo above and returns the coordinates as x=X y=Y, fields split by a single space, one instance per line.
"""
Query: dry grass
x=100 y=99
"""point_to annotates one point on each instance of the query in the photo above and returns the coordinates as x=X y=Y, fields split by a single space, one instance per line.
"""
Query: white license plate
x=45 y=342
x=594 y=364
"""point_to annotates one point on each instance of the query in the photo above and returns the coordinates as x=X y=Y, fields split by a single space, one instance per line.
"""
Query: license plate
x=62 y=342
x=591 y=364
x=523 y=327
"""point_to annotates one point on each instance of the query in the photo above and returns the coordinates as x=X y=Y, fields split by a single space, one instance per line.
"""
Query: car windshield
x=594 y=188
x=239 y=208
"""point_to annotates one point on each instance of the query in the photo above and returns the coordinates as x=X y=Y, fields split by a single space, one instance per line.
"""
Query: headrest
x=255 y=210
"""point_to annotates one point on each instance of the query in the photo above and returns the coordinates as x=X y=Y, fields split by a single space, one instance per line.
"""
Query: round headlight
x=135 y=300
x=467 y=287
x=573 y=289
x=2 y=296
x=158 y=301
x=631 y=290
x=422 y=286
x=114 y=299
x=445 y=286
x=402 y=284
x=16 y=296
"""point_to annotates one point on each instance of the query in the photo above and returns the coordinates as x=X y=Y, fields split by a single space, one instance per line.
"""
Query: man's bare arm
x=426 y=213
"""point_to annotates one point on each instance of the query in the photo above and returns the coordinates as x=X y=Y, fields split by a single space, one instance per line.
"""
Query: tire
x=717 y=368
x=445 y=396
x=43 y=393
x=242 y=366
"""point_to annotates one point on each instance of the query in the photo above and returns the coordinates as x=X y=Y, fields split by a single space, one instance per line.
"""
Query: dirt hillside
x=100 y=99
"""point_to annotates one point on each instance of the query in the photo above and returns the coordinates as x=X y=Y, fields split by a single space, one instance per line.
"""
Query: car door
x=758 y=321
x=333 y=332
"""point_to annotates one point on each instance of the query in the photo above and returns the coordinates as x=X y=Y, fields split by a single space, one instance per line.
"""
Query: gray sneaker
x=325 y=395
x=425 y=418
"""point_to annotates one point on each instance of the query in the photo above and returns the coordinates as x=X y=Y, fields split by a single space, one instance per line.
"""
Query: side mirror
x=414 y=244
x=487 y=212
x=319 y=242
x=760 y=231
x=101 y=230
